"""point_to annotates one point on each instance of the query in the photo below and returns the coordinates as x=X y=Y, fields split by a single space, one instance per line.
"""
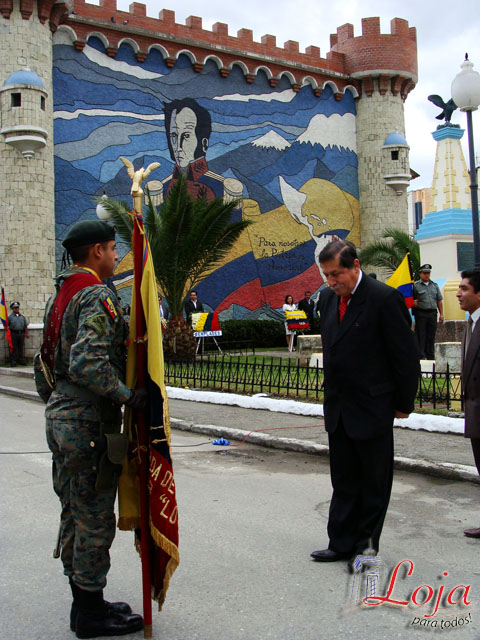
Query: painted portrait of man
x=188 y=126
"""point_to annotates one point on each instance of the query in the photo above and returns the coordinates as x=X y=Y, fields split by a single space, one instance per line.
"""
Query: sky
x=445 y=32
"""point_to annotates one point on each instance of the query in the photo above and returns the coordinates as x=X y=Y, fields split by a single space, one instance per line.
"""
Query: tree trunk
x=178 y=340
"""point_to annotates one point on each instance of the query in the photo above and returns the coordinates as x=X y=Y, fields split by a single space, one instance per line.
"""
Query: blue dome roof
x=395 y=139
x=25 y=76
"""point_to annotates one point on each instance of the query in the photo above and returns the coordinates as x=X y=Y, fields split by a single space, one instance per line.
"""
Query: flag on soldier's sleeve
x=163 y=513
x=402 y=280
x=4 y=319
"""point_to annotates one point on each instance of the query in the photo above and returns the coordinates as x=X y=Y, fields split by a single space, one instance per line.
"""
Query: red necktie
x=343 y=306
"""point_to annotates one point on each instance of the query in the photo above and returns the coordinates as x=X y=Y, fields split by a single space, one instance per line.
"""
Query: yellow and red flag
x=147 y=498
x=4 y=320
x=402 y=280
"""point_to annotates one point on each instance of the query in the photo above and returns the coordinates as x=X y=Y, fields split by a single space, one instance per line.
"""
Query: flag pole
x=8 y=335
x=143 y=443
x=136 y=192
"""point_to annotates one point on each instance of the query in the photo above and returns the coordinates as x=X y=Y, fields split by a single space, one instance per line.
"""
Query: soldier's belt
x=76 y=391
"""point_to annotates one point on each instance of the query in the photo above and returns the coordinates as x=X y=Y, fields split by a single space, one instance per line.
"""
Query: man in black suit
x=371 y=369
x=468 y=296
x=193 y=305
x=307 y=305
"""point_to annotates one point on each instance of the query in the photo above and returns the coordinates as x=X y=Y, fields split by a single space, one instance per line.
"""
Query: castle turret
x=26 y=152
x=385 y=68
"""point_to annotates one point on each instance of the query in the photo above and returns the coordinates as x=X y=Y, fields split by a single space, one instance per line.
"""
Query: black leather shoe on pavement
x=329 y=555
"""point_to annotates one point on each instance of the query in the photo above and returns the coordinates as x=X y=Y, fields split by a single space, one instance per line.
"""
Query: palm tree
x=188 y=238
x=389 y=253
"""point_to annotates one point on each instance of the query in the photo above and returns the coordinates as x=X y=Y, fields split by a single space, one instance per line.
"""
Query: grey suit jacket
x=471 y=383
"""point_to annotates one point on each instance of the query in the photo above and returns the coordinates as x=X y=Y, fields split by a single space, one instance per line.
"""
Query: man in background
x=468 y=296
x=307 y=305
x=193 y=305
x=18 y=325
x=427 y=300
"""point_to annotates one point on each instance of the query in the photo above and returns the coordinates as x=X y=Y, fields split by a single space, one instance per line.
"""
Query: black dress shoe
x=329 y=555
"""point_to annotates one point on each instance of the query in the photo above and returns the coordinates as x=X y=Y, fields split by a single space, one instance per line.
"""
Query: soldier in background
x=427 y=300
x=18 y=325
x=83 y=415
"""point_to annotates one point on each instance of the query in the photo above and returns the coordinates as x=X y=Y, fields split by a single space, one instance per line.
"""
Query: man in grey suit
x=468 y=296
x=371 y=369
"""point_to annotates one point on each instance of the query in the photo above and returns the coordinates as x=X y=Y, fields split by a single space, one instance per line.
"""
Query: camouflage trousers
x=87 y=518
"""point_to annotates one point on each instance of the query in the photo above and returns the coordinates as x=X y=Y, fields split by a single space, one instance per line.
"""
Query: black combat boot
x=95 y=618
x=113 y=607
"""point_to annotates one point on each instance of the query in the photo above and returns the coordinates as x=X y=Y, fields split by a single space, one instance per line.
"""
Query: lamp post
x=466 y=95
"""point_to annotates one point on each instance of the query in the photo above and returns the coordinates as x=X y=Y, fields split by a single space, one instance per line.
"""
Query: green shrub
x=259 y=333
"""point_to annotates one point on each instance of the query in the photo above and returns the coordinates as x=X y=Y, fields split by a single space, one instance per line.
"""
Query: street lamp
x=466 y=95
x=101 y=212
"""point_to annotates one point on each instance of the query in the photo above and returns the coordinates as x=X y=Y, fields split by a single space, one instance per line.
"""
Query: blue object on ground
x=221 y=441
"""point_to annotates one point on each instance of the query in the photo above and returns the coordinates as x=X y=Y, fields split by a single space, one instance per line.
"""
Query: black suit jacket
x=189 y=308
x=471 y=383
x=370 y=359
x=308 y=306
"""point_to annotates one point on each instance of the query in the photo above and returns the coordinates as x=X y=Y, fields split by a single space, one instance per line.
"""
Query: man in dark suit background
x=468 y=296
x=193 y=305
x=307 y=305
x=371 y=369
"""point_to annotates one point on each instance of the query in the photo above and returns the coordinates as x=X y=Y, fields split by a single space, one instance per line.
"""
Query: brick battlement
x=192 y=30
x=376 y=54
x=349 y=61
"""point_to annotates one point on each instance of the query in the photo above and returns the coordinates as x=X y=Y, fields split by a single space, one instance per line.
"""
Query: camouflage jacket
x=90 y=353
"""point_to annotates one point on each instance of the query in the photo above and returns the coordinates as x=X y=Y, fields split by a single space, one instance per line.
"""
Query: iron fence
x=288 y=377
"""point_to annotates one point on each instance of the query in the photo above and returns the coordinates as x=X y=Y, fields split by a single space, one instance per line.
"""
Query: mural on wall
x=288 y=157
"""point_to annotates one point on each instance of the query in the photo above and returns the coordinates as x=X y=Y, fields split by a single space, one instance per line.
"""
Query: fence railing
x=287 y=377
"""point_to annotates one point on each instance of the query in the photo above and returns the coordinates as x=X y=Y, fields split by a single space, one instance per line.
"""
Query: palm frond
x=188 y=238
x=119 y=211
x=388 y=253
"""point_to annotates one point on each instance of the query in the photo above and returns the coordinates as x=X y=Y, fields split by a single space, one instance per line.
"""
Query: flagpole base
x=147 y=631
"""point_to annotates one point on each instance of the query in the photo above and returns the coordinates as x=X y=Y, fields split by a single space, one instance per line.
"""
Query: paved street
x=249 y=519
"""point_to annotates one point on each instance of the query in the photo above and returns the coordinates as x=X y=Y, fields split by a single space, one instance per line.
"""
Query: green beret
x=88 y=232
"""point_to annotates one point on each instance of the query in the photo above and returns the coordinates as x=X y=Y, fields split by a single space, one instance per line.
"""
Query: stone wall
x=381 y=207
x=27 y=186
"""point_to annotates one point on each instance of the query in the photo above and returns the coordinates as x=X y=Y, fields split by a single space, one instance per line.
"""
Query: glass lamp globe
x=102 y=213
x=466 y=87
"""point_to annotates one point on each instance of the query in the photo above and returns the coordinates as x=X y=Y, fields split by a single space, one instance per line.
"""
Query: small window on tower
x=395 y=154
x=16 y=99
x=42 y=103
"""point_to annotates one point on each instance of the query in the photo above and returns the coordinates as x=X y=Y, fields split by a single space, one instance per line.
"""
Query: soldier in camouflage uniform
x=83 y=416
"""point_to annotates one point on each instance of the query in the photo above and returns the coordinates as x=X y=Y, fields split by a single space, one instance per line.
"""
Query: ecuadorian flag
x=4 y=320
x=402 y=280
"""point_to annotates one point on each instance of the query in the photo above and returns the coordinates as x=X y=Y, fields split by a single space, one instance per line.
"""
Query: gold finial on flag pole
x=137 y=177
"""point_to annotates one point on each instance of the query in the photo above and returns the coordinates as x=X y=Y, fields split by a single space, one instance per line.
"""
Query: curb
x=20 y=393
x=445 y=470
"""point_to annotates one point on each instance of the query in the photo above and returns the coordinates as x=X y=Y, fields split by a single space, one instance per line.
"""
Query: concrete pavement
x=443 y=455
x=249 y=519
